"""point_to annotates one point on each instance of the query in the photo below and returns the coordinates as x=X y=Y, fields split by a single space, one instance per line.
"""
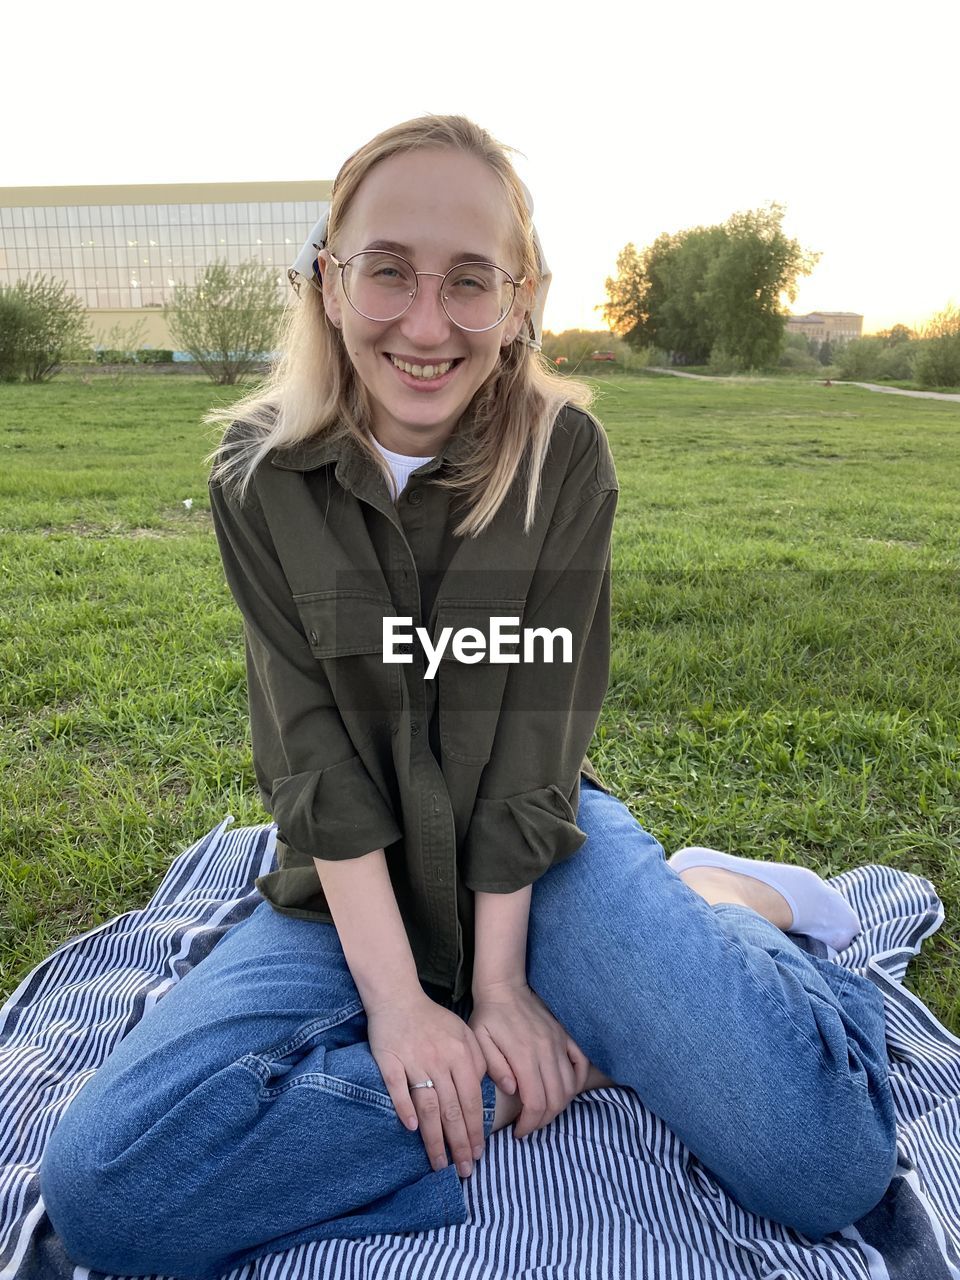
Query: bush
x=897 y=362
x=114 y=355
x=228 y=321
x=48 y=327
x=859 y=360
x=154 y=355
x=14 y=327
x=798 y=356
x=938 y=362
x=641 y=359
x=722 y=361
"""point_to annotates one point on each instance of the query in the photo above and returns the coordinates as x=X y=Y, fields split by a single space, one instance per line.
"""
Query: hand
x=525 y=1047
x=414 y=1039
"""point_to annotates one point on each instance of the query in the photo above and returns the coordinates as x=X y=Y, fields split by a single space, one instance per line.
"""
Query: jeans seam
x=334 y=1084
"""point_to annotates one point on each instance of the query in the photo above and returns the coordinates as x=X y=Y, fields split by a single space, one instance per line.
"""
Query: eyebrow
x=467 y=255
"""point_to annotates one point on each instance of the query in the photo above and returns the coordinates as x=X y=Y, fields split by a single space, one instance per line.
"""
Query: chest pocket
x=345 y=633
x=470 y=692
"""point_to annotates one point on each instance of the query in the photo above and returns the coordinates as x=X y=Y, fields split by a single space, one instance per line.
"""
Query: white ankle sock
x=818 y=910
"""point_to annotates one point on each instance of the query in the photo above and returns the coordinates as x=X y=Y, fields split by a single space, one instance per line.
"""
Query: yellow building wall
x=153 y=331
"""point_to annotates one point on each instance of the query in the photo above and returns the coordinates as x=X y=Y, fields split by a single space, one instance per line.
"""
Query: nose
x=426 y=323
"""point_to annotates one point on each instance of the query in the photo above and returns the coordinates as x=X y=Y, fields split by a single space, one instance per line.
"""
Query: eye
x=380 y=268
x=474 y=278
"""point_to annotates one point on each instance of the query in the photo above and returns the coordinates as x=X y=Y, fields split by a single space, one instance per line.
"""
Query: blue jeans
x=245 y=1113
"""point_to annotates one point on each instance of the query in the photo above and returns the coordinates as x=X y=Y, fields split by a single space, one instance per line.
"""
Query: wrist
x=397 y=990
x=486 y=988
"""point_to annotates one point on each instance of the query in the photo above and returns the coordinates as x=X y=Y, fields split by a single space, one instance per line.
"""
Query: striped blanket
x=605 y=1191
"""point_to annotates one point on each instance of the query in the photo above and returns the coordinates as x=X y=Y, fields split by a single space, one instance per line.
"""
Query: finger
x=395 y=1078
x=580 y=1063
x=480 y=1067
x=558 y=1082
x=479 y=1061
x=498 y=1068
x=455 y=1122
x=471 y=1104
x=427 y=1103
x=533 y=1096
x=568 y=1081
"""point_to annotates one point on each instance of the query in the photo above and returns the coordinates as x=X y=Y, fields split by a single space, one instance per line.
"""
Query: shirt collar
x=320 y=450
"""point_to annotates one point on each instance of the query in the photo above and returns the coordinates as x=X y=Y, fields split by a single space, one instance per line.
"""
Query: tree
x=710 y=292
x=938 y=360
x=44 y=325
x=895 y=336
x=626 y=310
x=228 y=321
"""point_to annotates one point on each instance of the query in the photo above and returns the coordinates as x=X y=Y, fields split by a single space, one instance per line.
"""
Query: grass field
x=786 y=669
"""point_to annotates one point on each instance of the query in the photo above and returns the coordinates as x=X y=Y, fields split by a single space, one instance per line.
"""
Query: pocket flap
x=340 y=623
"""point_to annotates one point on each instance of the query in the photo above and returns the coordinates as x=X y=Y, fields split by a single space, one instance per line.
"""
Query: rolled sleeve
x=524 y=819
x=518 y=838
x=310 y=775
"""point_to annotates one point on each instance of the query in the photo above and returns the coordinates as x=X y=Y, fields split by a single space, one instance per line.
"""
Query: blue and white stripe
x=606 y=1192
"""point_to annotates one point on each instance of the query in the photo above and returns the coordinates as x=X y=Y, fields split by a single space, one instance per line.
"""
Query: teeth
x=423 y=370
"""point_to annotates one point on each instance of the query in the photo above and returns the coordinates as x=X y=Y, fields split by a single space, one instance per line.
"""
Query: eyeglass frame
x=417 y=274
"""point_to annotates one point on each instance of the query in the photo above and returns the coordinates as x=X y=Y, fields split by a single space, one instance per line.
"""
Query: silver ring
x=426 y=1084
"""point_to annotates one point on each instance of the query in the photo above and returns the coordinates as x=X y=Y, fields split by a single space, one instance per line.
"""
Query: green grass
x=785 y=669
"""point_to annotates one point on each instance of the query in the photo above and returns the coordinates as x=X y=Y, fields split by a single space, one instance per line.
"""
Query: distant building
x=121 y=249
x=827 y=326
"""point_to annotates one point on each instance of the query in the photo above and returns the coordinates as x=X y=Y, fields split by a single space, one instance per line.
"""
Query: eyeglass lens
x=381 y=286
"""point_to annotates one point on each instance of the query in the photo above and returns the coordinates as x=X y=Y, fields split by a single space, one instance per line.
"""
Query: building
x=122 y=249
x=827 y=326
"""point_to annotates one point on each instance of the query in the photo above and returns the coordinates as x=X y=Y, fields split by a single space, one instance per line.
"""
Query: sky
x=630 y=119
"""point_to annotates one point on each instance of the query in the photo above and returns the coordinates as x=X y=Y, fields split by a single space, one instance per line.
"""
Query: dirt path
x=835 y=382
x=902 y=391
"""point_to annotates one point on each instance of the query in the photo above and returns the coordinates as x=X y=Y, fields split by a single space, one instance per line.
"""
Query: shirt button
x=414 y=497
x=313 y=638
x=414 y=727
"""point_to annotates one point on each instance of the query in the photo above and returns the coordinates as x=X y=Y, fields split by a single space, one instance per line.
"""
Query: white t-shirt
x=401 y=466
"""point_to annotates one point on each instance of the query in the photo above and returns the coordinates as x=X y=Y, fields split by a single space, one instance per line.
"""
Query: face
x=445 y=207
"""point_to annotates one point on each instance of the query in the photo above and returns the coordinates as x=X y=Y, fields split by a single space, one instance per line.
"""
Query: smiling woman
x=441 y=833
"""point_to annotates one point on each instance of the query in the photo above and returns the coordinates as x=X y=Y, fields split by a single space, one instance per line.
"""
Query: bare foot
x=717 y=884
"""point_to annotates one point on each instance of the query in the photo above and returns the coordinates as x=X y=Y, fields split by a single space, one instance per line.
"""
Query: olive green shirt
x=469 y=780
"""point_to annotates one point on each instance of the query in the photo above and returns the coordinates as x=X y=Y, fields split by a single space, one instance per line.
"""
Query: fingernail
x=439 y=1164
x=477 y=1152
x=465 y=1168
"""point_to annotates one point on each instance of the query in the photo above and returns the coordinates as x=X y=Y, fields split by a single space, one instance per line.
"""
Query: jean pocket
x=330 y=1054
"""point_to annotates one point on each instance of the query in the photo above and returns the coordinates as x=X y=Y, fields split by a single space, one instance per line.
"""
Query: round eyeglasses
x=475 y=296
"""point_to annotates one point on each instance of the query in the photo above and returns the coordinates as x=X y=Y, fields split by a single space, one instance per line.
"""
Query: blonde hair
x=312 y=390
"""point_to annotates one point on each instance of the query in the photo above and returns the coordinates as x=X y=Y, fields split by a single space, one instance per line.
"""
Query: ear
x=522 y=307
x=331 y=292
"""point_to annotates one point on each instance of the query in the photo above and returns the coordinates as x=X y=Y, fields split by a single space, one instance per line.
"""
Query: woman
x=411 y=485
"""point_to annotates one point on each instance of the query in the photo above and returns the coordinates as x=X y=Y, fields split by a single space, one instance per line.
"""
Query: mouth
x=423 y=376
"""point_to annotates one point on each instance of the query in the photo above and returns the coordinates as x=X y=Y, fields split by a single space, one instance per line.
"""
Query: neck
x=425 y=442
